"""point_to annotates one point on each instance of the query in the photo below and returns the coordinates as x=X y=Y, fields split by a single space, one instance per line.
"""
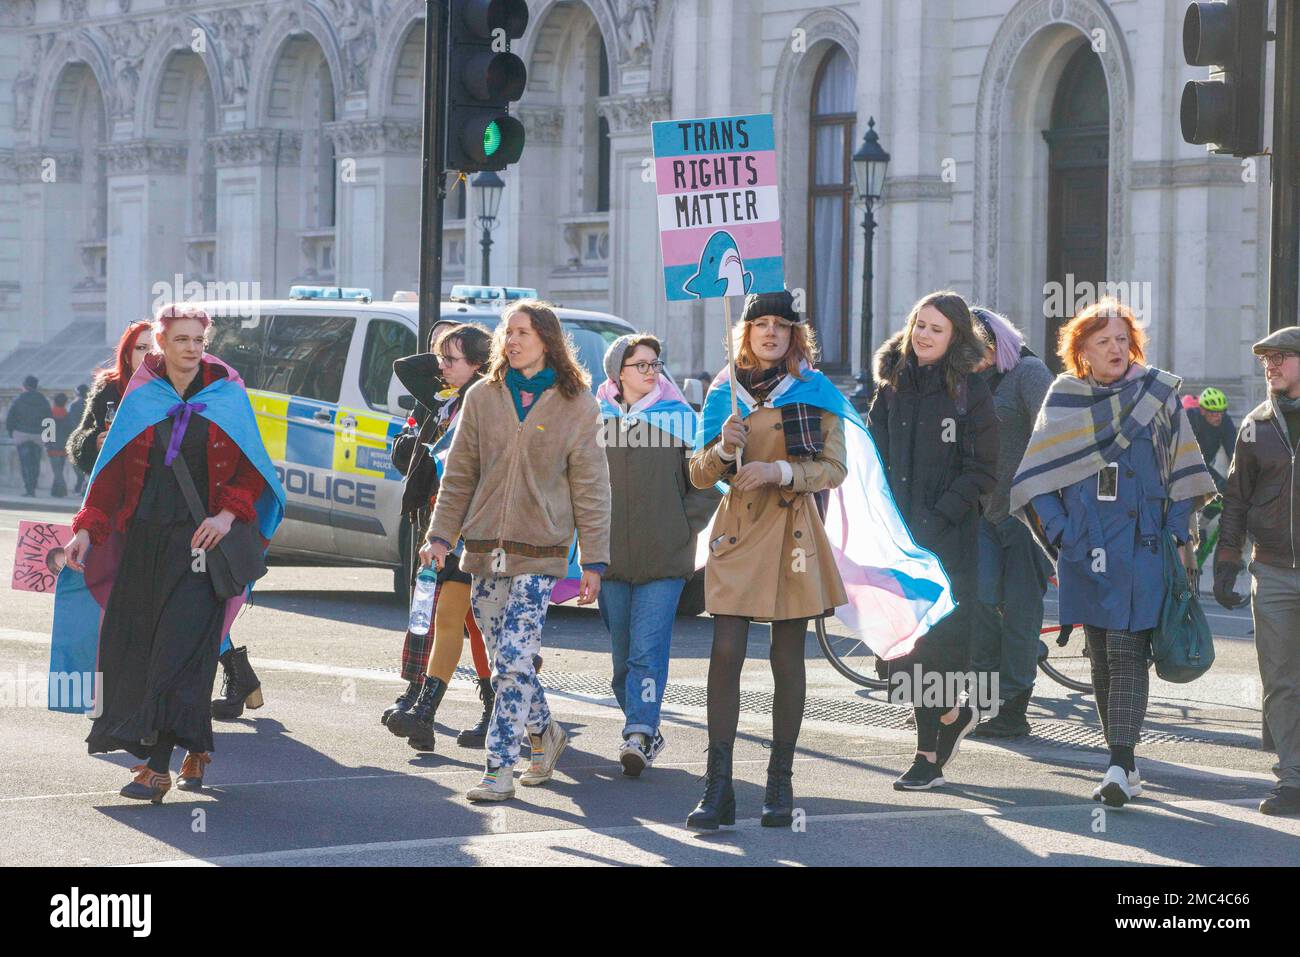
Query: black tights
x=730 y=638
x=160 y=758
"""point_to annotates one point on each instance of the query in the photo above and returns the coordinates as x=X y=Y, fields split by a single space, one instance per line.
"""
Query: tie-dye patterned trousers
x=511 y=611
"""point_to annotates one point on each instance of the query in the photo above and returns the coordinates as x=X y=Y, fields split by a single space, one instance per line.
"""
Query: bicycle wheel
x=1066 y=666
x=850 y=656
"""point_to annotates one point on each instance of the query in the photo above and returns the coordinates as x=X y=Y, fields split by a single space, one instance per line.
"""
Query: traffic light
x=1227 y=110
x=484 y=77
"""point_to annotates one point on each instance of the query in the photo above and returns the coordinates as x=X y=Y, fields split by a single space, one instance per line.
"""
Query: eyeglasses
x=449 y=360
x=1272 y=360
x=645 y=367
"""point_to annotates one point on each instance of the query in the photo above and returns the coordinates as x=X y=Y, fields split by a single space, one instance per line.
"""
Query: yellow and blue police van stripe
x=322 y=450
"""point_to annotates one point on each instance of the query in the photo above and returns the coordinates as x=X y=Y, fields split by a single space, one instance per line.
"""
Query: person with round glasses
x=1259 y=501
x=648 y=430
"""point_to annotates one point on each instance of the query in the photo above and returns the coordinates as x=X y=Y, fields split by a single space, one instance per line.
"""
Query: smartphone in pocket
x=1108 y=483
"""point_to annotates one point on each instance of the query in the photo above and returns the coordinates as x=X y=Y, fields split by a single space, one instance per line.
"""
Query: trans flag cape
x=667 y=410
x=566 y=587
x=897 y=589
x=79 y=599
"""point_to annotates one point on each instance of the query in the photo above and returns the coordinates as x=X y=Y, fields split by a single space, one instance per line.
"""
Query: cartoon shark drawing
x=721 y=271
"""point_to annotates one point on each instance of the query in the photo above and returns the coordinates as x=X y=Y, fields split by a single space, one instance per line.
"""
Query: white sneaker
x=1134 y=786
x=498 y=784
x=547 y=748
x=1114 y=790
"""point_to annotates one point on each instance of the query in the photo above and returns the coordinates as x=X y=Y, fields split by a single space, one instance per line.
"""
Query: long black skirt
x=158 y=646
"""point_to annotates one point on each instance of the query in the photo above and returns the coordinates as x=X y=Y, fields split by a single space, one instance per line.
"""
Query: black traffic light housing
x=483 y=78
x=1227 y=110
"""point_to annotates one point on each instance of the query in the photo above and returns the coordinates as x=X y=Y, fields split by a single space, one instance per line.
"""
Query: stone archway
x=1021 y=74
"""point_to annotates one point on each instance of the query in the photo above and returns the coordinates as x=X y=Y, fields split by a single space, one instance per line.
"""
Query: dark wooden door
x=1078 y=175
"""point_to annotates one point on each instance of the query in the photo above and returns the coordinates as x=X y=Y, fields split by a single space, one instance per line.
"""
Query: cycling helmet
x=1213 y=400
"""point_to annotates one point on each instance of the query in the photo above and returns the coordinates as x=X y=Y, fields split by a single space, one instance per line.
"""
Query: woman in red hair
x=106 y=394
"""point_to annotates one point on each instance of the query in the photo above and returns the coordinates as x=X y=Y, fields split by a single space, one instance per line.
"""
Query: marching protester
x=55 y=450
x=422 y=376
x=1112 y=466
x=184 y=441
x=769 y=556
x=76 y=412
x=523 y=472
x=655 y=515
x=933 y=422
x=105 y=394
x=1013 y=571
x=1257 y=501
x=462 y=352
x=240 y=685
x=25 y=423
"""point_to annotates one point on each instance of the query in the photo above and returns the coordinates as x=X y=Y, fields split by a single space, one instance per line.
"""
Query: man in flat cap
x=1261 y=499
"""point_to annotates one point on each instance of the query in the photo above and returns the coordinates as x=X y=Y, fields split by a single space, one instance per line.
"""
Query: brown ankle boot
x=191 y=776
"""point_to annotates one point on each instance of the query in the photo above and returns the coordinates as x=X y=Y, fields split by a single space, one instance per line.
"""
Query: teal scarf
x=519 y=383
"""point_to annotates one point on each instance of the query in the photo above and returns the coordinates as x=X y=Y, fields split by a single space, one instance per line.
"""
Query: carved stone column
x=378 y=203
x=147 y=196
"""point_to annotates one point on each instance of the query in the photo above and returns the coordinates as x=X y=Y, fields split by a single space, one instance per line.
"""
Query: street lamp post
x=869 y=165
x=487 y=192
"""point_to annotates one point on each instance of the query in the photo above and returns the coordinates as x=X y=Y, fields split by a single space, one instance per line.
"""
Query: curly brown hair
x=561 y=354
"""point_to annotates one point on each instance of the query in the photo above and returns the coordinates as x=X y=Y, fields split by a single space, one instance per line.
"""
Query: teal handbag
x=1181 y=643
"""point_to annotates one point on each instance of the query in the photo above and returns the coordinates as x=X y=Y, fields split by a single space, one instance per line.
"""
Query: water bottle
x=422 y=601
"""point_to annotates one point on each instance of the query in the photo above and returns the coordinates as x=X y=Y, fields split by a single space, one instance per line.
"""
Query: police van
x=319 y=372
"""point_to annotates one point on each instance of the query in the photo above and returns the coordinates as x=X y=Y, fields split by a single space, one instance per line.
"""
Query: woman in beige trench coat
x=769 y=557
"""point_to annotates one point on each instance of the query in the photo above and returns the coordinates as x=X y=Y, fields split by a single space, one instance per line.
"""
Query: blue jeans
x=640 y=623
x=1012 y=581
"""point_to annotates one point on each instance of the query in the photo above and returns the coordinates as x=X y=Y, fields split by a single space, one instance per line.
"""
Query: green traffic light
x=491 y=138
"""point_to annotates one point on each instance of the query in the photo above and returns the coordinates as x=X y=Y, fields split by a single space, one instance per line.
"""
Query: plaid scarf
x=801 y=424
x=1082 y=427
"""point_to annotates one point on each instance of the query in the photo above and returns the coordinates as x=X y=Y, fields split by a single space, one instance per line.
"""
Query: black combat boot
x=403 y=702
x=239 y=686
x=778 y=798
x=1009 y=722
x=718 y=805
x=416 y=725
x=476 y=737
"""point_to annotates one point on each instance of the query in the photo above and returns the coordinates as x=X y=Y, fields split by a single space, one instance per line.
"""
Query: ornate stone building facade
x=1034 y=142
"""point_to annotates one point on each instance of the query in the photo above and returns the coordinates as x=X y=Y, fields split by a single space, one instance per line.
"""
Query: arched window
x=602 y=138
x=830 y=170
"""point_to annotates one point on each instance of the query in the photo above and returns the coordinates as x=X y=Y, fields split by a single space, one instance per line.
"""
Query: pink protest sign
x=719 y=218
x=39 y=557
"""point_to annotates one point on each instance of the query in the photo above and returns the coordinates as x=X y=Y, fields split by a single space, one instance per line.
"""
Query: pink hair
x=179 y=310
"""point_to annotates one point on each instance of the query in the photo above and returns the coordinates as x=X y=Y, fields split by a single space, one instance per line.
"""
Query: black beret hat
x=760 y=304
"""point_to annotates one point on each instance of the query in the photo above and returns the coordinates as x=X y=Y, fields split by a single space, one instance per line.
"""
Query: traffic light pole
x=1284 y=261
x=433 y=189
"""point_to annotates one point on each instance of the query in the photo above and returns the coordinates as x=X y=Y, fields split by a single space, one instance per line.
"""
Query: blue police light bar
x=348 y=293
x=462 y=293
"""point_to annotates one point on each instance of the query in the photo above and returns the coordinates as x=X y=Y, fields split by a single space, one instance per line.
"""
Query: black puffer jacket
x=940 y=453
x=82 y=447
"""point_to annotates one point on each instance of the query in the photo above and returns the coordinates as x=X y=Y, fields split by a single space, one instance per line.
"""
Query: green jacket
x=655 y=512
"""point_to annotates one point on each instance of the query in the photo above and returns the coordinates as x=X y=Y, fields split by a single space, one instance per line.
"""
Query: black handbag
x=239 y=558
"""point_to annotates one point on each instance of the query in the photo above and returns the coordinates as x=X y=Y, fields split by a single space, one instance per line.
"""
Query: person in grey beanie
x=647 y=429
x=1259 y=500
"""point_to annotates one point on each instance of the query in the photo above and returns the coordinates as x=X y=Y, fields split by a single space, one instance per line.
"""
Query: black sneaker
x=952 y=735
x=1284 y=801
x=921 y=776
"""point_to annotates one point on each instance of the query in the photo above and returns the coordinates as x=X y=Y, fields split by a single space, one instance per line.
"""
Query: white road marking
x=676 y=832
